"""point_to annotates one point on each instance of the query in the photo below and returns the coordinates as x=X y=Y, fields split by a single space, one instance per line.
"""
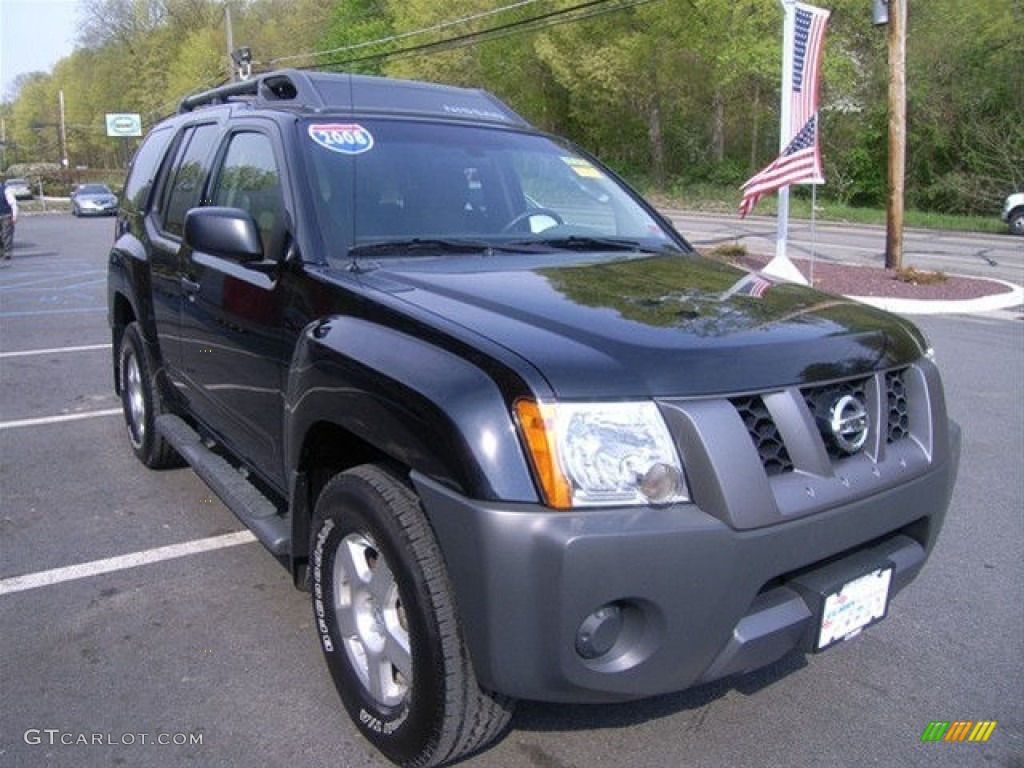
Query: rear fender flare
x=129 y=284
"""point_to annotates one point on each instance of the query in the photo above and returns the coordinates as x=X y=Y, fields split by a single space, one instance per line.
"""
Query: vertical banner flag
x=800 y=160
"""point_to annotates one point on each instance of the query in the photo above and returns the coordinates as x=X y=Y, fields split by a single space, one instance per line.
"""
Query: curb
x=1013 y=297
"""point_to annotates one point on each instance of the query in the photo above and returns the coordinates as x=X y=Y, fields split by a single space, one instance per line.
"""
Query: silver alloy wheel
x=135 y=399
x=371 y=620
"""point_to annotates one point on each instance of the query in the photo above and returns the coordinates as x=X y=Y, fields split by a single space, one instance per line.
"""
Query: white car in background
x=19 y=188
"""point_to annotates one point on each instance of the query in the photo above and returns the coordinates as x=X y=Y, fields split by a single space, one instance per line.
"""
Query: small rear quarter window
x=144 y=168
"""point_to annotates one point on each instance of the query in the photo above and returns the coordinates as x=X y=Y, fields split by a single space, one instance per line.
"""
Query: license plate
x=857 y=604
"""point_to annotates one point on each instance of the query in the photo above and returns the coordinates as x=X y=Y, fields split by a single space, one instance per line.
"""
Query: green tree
x=671 y=89
x=33 y=133
x=351 y=34
x=966 y=99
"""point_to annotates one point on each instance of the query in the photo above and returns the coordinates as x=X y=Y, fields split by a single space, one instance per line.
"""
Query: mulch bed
x=848 y=280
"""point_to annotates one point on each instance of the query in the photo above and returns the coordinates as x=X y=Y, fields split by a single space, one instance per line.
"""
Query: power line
x=405 y=35
x=591 y=13
x=579 y=12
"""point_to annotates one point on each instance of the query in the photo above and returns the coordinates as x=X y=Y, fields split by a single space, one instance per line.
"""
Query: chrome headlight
x=601 y=454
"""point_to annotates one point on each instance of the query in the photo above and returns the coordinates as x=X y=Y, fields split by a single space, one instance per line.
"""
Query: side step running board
x=239 y=495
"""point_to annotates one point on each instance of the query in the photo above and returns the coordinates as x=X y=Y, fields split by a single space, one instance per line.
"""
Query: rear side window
x=189 y=175
x=144 y=168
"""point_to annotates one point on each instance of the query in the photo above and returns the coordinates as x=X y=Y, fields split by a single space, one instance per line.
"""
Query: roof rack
x=283 y=85
x=321 y=91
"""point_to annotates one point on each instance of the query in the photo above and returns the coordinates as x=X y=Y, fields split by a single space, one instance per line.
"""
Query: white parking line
x=49 y=279
x=54 y=350
x=58 y=419
x=36 y=313
x=122 y=562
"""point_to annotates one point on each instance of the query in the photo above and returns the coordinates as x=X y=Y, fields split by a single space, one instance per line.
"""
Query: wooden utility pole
x=897 y=132
x=230 y=33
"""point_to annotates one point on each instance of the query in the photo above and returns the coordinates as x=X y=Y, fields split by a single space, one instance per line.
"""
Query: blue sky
x=34 y=35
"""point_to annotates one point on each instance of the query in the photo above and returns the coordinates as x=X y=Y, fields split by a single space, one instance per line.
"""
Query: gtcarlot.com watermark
x=55 y=737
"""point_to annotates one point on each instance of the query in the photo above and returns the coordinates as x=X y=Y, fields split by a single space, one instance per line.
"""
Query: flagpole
x=814 y=236
x=781 y=266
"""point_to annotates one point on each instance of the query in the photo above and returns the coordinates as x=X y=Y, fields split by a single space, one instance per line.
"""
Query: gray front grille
x=761 y=457
x=768 y=439
x=764 y=433
x=896 y=399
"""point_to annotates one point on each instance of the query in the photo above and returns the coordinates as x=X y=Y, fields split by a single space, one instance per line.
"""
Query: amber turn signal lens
x=537 y=427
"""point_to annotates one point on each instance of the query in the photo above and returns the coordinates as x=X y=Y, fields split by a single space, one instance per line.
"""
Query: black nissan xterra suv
x=514 y=435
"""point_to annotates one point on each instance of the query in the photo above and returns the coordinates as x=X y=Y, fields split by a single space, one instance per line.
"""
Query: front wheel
x=1017 y=222
x=388 y=626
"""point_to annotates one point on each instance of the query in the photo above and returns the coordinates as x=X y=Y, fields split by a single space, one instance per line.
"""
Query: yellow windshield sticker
x=583 y=168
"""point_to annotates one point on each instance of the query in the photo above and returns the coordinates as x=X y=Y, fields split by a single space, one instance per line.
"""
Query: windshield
x=379 y=184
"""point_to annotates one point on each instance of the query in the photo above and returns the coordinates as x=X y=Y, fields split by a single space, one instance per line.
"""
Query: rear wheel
x=141 y=402
x=388 y=627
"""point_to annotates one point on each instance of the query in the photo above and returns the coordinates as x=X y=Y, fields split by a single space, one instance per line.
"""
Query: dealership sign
x=124 y=124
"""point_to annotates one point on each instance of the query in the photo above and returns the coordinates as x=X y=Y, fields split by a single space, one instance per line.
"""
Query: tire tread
x=474 y=717
x=156 y=452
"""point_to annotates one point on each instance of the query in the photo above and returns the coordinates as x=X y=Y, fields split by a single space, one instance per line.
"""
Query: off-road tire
x=384 y=611
x=142 y=403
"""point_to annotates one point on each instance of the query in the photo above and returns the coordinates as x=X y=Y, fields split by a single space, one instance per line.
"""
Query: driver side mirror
x=229 y=233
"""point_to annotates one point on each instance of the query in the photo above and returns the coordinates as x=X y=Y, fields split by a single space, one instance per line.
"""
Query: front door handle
x=191 y=288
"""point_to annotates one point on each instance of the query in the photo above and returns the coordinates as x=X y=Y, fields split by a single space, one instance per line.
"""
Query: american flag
x=807 y=47
x=800 y=161
x=751 y=285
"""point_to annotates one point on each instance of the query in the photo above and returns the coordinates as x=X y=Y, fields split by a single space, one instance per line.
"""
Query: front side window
x=378 y=182
x=249 y=179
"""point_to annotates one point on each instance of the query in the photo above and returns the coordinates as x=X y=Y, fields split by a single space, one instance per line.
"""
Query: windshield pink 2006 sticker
x=346 y=138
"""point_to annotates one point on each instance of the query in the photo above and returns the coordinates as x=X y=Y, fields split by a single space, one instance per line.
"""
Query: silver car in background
x=93 y=200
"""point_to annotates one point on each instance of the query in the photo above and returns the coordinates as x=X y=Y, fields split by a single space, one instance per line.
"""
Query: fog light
x=599 y=632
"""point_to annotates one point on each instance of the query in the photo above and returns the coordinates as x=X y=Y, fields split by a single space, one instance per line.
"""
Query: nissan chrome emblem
x=848 y=421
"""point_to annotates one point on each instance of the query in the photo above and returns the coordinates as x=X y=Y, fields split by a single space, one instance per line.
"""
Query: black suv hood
x=654 y=326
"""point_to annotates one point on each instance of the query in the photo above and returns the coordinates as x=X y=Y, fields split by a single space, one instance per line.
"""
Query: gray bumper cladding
x=688 y=597
x=788 y=616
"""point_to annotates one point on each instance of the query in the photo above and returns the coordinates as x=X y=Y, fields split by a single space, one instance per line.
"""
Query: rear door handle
x=191 y=287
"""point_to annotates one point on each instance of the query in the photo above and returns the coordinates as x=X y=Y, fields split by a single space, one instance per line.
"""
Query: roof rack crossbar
x=218 y=95
x=283 y=85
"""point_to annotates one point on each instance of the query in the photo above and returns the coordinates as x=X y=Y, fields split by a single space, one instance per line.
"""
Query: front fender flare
x=421 y=405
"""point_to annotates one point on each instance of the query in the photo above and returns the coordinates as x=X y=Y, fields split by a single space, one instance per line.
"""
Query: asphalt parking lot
x=140 y=626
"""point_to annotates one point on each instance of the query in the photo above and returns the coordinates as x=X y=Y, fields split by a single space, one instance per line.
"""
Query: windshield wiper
x=418 y=246
x=587 y=242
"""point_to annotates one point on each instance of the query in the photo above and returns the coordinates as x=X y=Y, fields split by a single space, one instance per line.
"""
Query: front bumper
x=109 y=210
x=699 y=599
